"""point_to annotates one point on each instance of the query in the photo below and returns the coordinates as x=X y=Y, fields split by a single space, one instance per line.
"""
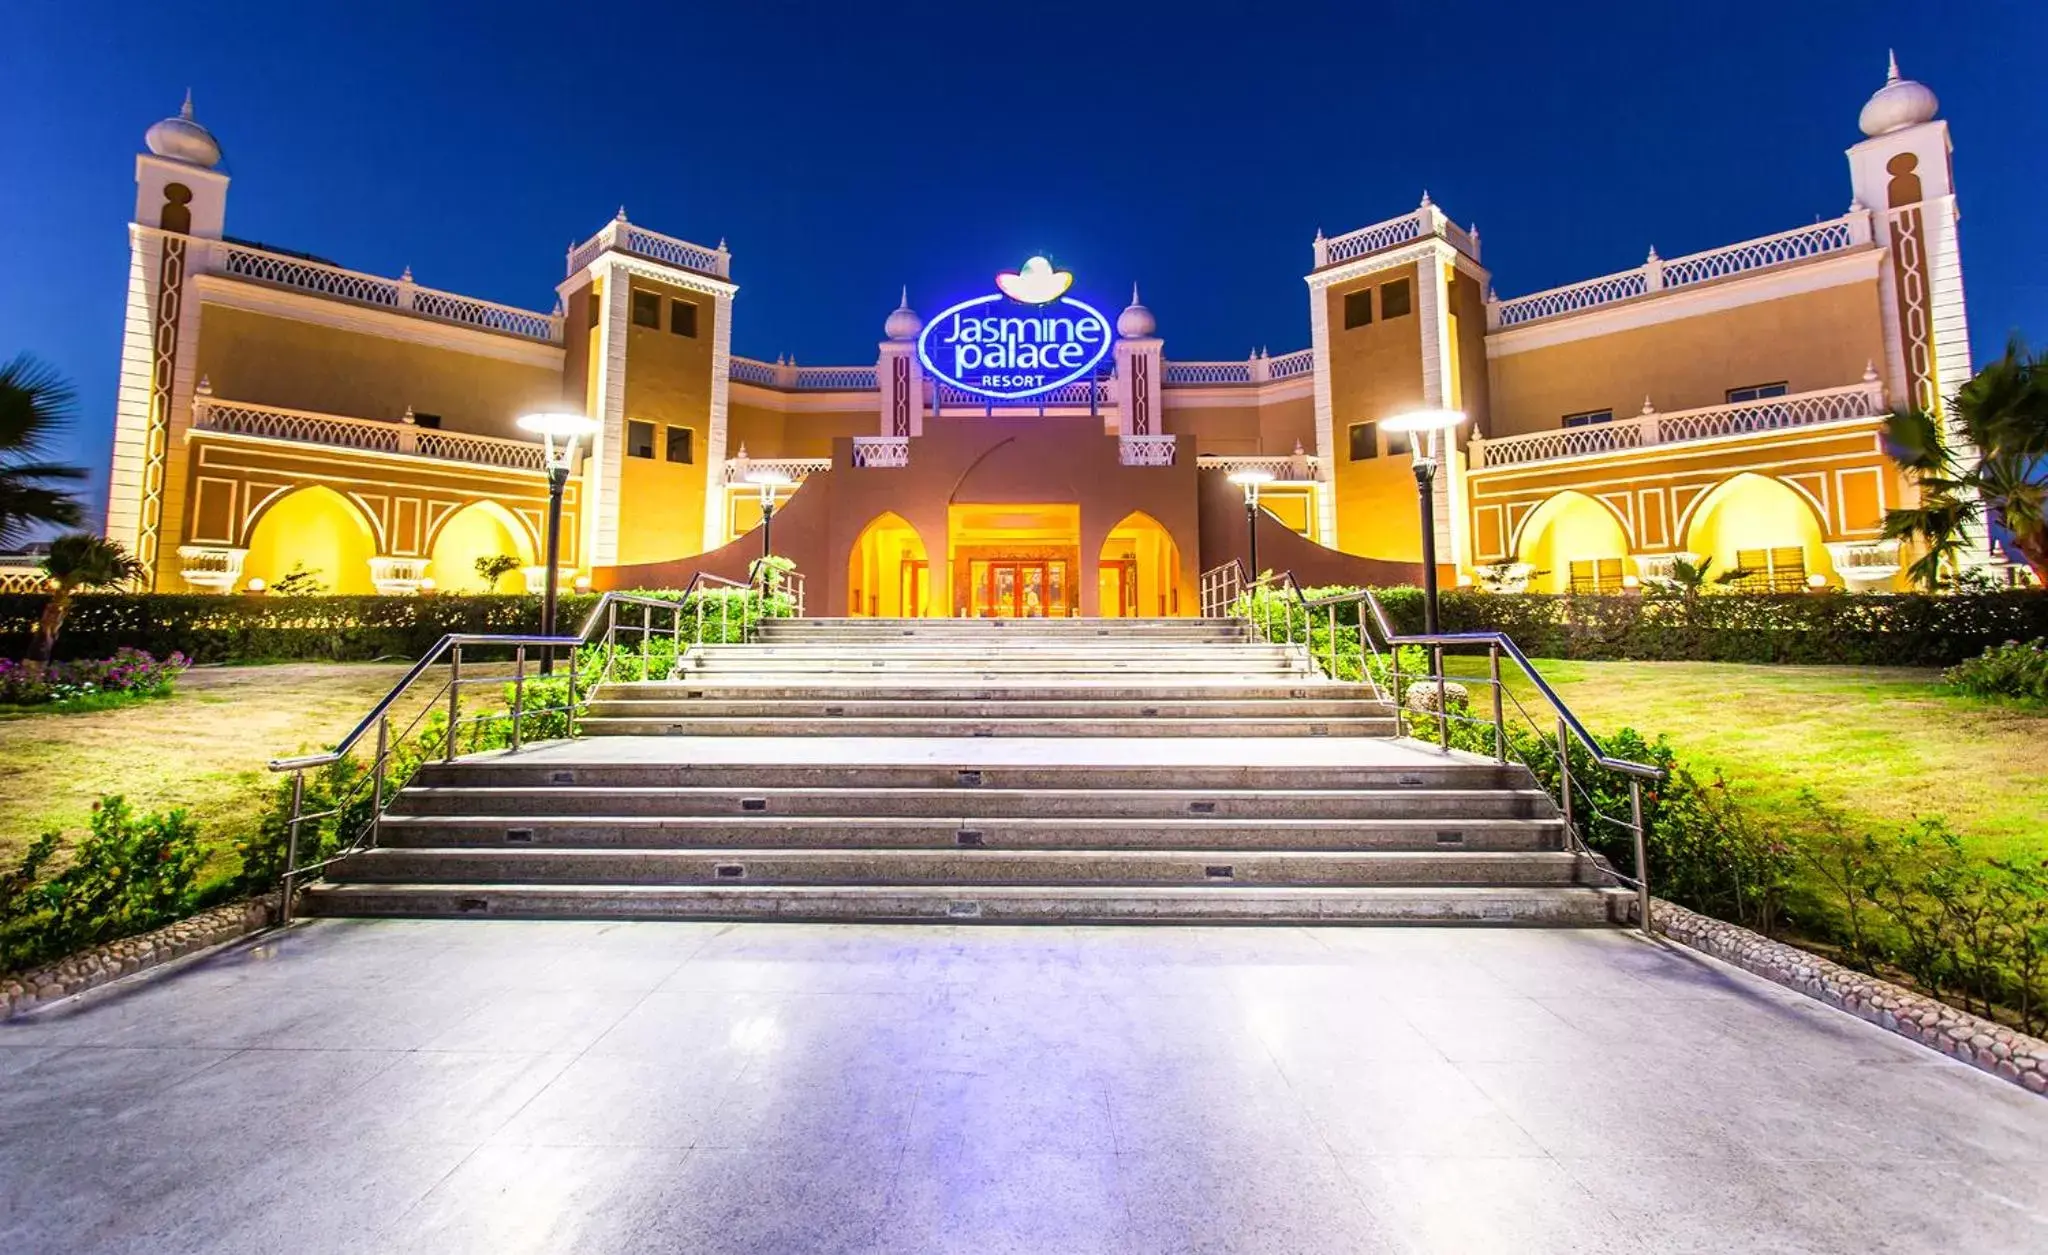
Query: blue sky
x=845 y=150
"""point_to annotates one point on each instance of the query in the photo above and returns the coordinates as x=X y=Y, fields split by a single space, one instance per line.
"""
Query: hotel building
x=1034 y=455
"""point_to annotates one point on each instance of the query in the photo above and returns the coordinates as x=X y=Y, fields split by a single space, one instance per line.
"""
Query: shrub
x=2009 y=670
x=131 y=873
x=130 y=672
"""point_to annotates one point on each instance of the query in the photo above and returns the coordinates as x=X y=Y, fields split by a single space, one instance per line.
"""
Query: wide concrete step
x=985 y=725
x=1009 y=627
x=1567 y=906
x=724 y=706
x=958 y=867
x=941 y=649
x=953 y=689
x=967 y=662
x=597 y=830
x=828 y=770
x=1331 y=806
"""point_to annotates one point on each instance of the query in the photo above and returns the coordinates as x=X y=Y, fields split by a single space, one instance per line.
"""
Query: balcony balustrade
x=211 y=415
x=1804 y=409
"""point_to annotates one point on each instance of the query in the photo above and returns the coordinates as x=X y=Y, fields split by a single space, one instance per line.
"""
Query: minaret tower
x=180 y=205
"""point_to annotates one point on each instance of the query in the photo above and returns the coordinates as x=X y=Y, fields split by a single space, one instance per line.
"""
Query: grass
x=203 y=748
x=82 y=704
x=1884 y=744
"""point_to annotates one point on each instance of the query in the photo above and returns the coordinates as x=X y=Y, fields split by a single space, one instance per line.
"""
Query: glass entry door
x=1020 y=589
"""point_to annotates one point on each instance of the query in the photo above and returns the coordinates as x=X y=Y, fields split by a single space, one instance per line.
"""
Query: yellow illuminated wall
x=316 y=528
x=1375 y=373
x=1570 y=527
x=876 y=580
x=668 y=384
x=473 y=532
x=1755 y=512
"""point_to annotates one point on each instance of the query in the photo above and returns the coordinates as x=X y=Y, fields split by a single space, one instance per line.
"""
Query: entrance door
x=1020 y=589
x=1119 y=591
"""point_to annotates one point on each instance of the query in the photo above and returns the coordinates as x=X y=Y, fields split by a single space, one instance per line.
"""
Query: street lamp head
x=1250 y=479
x=558 y=433
x=1424 y=429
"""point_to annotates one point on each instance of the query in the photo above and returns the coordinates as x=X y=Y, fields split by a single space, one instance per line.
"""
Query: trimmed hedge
x=1906 y=630
x=211 y=628
x=1824 y=628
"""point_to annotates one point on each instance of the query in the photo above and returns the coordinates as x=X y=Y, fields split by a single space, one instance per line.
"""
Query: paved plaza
x=491 y=1086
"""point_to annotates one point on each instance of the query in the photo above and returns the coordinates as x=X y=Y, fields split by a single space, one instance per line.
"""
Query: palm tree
x=80 y=560
x=2002 y=474
x=35 y=403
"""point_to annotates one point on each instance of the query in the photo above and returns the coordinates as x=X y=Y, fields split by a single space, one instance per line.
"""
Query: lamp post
x=768 y=481
x=1249 y=480
x=1425 y=430
x=558 y=435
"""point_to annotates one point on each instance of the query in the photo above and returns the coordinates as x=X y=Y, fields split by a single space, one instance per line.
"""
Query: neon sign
x=1021 y=341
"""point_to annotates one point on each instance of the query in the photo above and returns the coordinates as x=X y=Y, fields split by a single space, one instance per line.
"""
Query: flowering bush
x=129 y=671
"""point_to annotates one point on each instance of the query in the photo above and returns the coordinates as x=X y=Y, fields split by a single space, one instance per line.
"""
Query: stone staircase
x=1004 y=770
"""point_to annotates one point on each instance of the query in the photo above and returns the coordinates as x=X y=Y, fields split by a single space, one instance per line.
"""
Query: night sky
x=847 y=149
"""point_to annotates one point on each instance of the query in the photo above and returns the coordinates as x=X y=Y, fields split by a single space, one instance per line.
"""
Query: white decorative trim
x=1865 y=565
x=1766 y=443
x=131 y=403
x=1857 y=265
x=397 y=577
x=211 y=568
x=606 y=463
x=1326 y=446
x=1408 y=256
x=716 y=420
x=387 y=324
x=611 y=263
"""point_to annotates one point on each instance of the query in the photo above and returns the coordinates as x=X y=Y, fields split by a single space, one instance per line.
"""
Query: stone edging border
x=112 y=960
x=1990 y=1047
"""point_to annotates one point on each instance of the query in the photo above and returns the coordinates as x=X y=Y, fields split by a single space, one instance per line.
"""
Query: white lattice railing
x=243 y=261
x=1284 y=467
x=1078 y=393
x=1145 y=450
x=1804 y=409
x=1658 y=274
x=747 y=370
x=1288 y=365
x=626 y=237
x=791 y=470
x=22 y=574
x=835 y=379
x=1208 y=372
x=1426 y=221
x=875 y=451
x=338 y=431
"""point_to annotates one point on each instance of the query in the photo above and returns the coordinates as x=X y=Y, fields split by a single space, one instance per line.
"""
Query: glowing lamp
x=582 y=584
x=1630 y=581
x=1425 y=430
x=767 y=479
x=427 y=585
x=558 y=434
x=1248 y=479
x=256 y=585
x=1816 y=581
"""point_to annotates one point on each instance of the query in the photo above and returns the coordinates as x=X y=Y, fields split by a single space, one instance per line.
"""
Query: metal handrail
x=1223 y=586
x=603 y=624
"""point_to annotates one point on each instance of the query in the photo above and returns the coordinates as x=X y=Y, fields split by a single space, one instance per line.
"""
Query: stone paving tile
x=496 y=1086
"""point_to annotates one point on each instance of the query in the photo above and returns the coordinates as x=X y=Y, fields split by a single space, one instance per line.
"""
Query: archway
x=317 y=530
x=888 y=573
x=1575 y=544
x=480 y=529
x=1138 y=570
x=1762 y=526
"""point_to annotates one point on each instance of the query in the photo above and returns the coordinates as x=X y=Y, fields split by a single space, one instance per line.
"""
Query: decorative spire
x=903 y=301
x=1869 y=371
x=1134 y=286
x=1891 y=74
x=1425 y=198
x=622 y=214
x=185 y=110
x=1647 y=407
x=405 y=276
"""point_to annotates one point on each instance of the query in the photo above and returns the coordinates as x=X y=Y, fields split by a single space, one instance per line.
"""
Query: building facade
x=1023 y=453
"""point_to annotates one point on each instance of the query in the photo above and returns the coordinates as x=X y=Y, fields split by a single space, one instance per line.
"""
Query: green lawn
x=203 y=748
x=1884 y=744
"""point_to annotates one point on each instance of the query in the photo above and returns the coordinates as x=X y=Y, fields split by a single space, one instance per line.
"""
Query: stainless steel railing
x=621 y=636
x=1228 y=593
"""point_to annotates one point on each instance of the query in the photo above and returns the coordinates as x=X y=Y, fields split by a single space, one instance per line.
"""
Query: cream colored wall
x=1811 y=340
x=1375 y=372
x=668 y=383
x=1270 y=428
x=810 y=435
x=757 y=427
x=261 y=358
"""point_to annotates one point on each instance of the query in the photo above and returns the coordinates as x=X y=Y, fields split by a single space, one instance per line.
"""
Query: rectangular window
x=682 y=318
x=595 y=308
x=639 y=439
x=1357 y=308
x=1756 y=392
x=1365 y=441
x=1396 y=299
x=1588 y=418
x=432 y=422
x=1399 y=444
x=647 y=309
x=681 y=445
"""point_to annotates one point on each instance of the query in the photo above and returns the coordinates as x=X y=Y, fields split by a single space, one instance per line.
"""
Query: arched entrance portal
x=1138 y=570
x=480 y=530
x=1762 y=527
x=888 y=574
x=1576 y=545
x=315 y=530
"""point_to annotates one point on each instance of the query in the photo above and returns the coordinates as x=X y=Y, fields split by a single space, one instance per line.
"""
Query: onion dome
x=1900 y=103
x=903 y=324
x=1136 y=322
x=182 y=139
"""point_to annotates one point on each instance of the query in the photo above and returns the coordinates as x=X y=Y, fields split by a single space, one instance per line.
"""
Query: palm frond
x=35 y=403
